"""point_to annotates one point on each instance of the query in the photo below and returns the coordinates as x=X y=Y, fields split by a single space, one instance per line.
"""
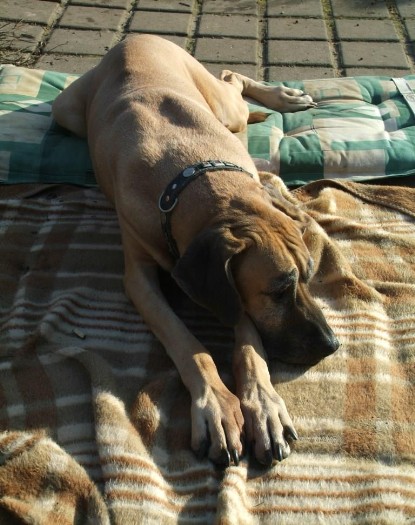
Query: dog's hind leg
x=278 y=98
x=69 y=107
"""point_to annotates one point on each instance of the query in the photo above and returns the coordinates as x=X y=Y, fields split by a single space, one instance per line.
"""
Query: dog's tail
x=257 y=116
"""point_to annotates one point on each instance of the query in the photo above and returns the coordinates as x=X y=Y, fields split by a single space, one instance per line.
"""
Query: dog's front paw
x=217 y=424
x=268 y=426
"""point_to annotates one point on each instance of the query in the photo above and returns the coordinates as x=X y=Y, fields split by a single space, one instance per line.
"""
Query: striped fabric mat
x=94 y=418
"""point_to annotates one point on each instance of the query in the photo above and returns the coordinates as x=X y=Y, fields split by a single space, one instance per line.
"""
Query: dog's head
x=260 y=264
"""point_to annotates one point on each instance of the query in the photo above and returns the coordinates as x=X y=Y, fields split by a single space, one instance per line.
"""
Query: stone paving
x=266 y=39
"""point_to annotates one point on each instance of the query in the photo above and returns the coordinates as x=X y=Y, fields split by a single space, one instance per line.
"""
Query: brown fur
x=149 y=110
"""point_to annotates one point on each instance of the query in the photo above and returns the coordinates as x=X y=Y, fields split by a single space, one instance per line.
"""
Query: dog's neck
x=216 y=195
x=170 y=196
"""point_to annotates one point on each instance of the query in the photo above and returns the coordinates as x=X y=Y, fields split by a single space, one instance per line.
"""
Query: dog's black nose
x=336 y=344
x=303 y=347
x=329 y=342
x=331 y=345
x=318 y=343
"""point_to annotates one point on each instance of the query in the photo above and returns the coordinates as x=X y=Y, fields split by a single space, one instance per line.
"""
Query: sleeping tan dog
x=154 y=118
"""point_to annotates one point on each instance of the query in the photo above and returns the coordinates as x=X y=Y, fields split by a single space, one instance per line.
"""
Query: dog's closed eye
x=282 y=285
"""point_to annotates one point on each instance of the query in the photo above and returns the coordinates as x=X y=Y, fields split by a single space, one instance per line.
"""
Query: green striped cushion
x=33 y=148
x=362 y=129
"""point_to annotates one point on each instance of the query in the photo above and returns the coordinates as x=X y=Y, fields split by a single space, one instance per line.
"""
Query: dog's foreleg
x=267 y=422
x=216 y=416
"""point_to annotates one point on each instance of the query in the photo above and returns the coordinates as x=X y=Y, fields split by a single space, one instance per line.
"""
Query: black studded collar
x=170 y=196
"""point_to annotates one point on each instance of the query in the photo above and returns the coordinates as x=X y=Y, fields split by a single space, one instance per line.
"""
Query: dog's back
x=151 y=107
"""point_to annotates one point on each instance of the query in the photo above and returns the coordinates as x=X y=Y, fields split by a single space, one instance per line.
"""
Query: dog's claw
x=277 y=450
x=291 y=433
x=235 y=457
x=224 y=458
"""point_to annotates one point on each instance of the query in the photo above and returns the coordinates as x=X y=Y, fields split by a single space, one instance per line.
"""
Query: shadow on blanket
x=95 y=420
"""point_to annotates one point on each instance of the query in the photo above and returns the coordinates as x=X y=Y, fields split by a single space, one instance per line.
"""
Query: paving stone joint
x=267 y=39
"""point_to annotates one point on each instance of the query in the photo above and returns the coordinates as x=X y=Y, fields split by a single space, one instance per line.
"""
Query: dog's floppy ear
x=204 y=274
x=283 y=200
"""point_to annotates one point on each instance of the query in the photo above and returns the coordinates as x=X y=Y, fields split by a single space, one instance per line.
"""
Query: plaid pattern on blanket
x=363 y=128
x=95 y=424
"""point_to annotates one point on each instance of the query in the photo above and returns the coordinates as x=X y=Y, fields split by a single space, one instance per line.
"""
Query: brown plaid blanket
x=94 y=418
